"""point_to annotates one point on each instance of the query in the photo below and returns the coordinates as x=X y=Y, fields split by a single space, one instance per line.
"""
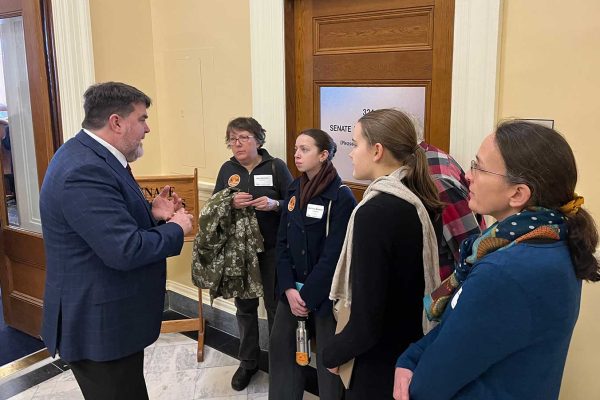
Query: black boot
x=242 y=378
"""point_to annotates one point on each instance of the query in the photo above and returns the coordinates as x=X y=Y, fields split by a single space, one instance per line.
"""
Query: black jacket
x=387 y=295
x=304 y=253
x=268 y=221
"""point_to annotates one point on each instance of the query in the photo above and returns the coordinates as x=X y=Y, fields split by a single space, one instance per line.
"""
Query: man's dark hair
x=104 y=99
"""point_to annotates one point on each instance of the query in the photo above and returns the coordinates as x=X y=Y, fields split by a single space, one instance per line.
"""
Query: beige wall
x=123 y=51
x=202 y=59
x=193 y=58
x=549 y=68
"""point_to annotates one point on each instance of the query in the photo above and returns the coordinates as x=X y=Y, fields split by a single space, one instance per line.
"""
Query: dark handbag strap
x=329 y=212
x=275 y=178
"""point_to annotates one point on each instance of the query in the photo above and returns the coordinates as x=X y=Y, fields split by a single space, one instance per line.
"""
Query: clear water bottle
x=302 y=343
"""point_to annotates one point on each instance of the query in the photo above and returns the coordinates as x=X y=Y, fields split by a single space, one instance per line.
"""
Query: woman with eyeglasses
x=508 y=311
x=262 y=181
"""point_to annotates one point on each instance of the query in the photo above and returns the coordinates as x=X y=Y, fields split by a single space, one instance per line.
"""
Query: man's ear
x=115 y=122
x=377 y=150
x=520 y=197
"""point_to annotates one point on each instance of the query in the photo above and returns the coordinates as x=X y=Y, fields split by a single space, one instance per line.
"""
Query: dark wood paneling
x=303 y=74
x=9 y=8
x=23 y=308
x=290 y=82
x=23 y=245
x=52 y=71
x=379 y=66
x=332 y=7
x=27 y=279
x=438 y=133
x=335 y=42
x=398 y=30
x=24 y=275
x=22 y=259
x=38 y=85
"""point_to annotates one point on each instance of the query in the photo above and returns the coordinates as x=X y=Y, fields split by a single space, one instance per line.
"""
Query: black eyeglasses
x=242 y=138
x=475 y=166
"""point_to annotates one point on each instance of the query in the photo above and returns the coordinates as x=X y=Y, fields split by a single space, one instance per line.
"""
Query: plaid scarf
x=532 y=223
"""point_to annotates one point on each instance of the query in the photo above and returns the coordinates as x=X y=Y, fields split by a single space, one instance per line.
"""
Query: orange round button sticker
x=234 y=180
x=302 y=359
x=292 y=203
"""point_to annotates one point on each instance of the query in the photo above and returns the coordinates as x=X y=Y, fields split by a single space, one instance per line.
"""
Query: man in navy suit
x=106 y=247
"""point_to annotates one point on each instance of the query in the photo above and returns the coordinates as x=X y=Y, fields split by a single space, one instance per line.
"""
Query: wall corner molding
x=475 y=67
x=268 y=71
x=74 y=59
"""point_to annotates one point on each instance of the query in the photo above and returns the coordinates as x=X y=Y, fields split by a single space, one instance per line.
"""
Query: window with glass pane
x=17 y=146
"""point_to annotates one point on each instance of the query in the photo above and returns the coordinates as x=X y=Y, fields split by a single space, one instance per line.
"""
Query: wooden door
x=29 y=129
x=392 y=43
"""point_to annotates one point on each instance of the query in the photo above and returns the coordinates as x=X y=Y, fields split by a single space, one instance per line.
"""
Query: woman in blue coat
x=311 y=233
x=506 y=327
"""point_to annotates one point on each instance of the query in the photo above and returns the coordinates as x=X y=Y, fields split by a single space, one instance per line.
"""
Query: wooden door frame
x=437 y=129
x=52 y=73
x=43 y=84
x=441 y=89
x=27 y=247
x=290 y=83
x=40 y=51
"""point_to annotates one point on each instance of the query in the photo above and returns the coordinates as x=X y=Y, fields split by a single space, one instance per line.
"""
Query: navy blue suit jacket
x=304 y=253
x=105 y=256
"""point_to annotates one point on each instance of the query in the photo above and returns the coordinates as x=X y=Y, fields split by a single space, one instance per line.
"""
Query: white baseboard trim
x=192 y=293
x=205 y=190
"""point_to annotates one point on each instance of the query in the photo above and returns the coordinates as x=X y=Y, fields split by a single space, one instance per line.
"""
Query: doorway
x=353 y=48
x=29 y=136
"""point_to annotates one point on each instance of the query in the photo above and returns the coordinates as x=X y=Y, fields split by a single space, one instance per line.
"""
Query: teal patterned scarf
x=532 y=223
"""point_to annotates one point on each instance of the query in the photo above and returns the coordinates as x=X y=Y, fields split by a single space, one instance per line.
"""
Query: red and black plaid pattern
x=458 y=219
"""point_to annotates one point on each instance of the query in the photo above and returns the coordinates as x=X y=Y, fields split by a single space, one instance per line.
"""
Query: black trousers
x=247 y=312
x=121 y=379
x=286 y=378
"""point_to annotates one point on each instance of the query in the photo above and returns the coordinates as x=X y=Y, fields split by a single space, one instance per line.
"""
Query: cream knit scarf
x=391 y=184
x=341 y=287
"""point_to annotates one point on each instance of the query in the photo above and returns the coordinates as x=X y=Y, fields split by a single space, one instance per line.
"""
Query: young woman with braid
x=509 y=309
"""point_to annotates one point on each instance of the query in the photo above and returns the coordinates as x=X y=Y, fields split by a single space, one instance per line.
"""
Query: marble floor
x=171 y=372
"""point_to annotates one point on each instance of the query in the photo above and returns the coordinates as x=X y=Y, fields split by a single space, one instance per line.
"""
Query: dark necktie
x=128 y=168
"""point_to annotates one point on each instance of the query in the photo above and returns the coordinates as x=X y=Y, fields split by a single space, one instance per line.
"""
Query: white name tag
x=263 y=180
x=315 y=211
x=455 y=298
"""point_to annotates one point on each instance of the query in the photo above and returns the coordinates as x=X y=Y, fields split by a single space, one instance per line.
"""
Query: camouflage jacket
x=224 y=257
